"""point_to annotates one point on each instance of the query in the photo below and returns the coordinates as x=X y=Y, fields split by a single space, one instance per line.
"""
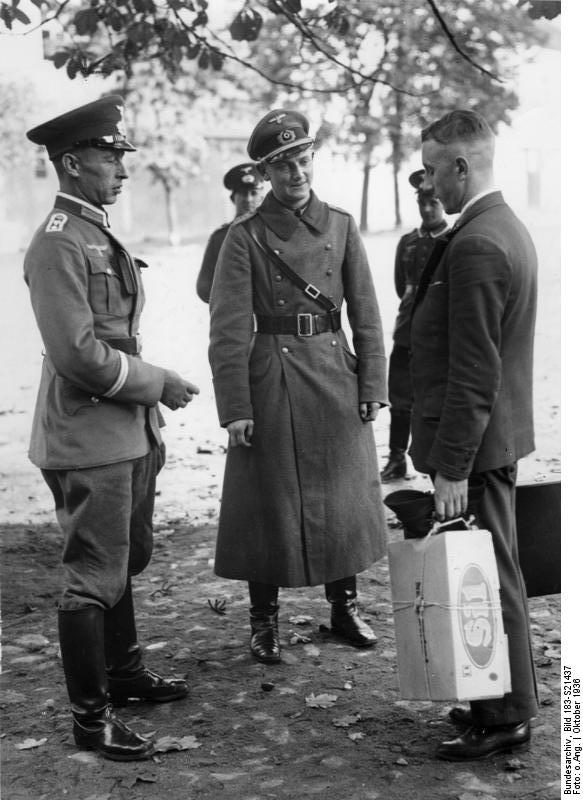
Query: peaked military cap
x=242 y=177
x=416 y=181
x=278 y=134
x=96 y=124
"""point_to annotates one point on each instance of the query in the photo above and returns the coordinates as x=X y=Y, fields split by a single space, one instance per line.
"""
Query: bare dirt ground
x=328 y=722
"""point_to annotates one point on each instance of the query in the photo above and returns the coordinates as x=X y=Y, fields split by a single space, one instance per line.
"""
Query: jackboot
x=263 y=618
x=345 y=620
x=126 y=674
x=95 y=726
x=396 y=466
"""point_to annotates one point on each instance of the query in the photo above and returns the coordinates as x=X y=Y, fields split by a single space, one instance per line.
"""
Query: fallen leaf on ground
x=321 y=700
x=29 y=744
x=301 y=619
x=167 y=743
x=346 y=721
x=218 y=606
x=356 y=736
x=299 y=638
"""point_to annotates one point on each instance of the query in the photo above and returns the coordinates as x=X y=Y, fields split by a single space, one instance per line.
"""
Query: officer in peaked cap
x=301 y=495
x=245 y=183
x=96 y=429
x=411 y=255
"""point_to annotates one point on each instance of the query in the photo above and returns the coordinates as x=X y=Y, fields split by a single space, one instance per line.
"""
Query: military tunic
x=96 y=404
x=206 y=274
x=302 y=505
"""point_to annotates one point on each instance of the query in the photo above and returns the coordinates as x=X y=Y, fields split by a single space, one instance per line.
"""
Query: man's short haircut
x=459 y=125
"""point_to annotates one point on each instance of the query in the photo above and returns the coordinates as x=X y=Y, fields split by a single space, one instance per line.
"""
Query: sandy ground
x=246 y=730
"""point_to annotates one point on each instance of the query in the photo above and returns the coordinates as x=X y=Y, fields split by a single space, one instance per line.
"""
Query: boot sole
x=120 y=702
x=112 y=757
x=352 y=642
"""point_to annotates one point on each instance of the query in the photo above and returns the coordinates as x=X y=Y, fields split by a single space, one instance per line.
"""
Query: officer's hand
x=240 y=432
x=177 y=392
x=450 y=497
x=368 y=411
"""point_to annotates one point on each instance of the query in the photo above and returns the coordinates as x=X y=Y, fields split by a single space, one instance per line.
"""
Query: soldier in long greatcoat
x=301 y=502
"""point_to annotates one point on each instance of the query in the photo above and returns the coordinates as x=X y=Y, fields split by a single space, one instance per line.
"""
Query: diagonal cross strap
x=308 y=288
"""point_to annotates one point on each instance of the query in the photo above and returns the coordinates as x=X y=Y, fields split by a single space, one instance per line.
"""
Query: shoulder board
x=243 y=218
x=57 y=222
x=339 y=210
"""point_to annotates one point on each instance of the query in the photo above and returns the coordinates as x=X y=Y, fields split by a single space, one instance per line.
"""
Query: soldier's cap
x=416 y=181
x=243 y=177
x=96 y=124
x=279 y=134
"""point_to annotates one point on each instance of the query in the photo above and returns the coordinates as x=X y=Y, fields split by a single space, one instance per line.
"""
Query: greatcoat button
x=328 y=247
x=278 y=277
x=281 y=302
x=95 y=399
x=285 y=349
x=277 y=252
x=108 y=270
x=333 y=342
x=328 y=272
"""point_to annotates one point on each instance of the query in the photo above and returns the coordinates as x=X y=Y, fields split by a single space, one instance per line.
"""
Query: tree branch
x=457 y=48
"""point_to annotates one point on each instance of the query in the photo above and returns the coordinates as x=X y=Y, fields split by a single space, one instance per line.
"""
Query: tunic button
x=328 y=272
x=333 y=342
x=277 y=252
x=95 y=399
x=285 y=349
x=281 y=302
x=328 y=247
x=108 y=270
x=278 y=277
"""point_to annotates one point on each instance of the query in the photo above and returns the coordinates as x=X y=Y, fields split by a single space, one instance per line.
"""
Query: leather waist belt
x=300 y=324
x=132 y=345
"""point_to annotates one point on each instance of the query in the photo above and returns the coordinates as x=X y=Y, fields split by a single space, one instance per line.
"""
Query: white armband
x=122 y=375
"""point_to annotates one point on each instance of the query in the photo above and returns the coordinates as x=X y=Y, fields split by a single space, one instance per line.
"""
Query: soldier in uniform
x=96 y=435
x=301 y=501
x=245 y=183
x=412 y=253
x=472 y=340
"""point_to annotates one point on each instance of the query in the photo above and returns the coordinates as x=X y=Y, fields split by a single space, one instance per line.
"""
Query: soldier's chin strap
x=307 y=288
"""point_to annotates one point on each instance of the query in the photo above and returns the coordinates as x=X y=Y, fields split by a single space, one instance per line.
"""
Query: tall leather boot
x=127 y=676
x=263 y=617
x=95 y=726
x=344 y=618
x=396 y=466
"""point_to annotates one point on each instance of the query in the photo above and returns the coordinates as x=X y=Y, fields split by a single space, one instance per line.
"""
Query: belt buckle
x=310 y=328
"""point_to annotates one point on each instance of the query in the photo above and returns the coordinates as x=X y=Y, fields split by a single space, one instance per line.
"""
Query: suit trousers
x=496 y=513
x=400 y=388
x=105 y=514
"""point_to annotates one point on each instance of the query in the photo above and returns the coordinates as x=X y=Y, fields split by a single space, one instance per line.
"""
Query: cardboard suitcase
x=538 y=524
x=448 y=621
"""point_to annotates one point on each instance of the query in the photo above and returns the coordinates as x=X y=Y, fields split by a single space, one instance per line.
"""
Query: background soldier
x=301 y=499
x=412 y=253
x=96 y=431
x=472 y=336
x=246 y=186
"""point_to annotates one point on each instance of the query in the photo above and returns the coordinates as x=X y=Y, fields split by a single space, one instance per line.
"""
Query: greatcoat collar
x=284 y=221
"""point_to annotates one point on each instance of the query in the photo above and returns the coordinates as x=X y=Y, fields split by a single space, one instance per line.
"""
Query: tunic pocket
x=106 y=293
x=73 y=398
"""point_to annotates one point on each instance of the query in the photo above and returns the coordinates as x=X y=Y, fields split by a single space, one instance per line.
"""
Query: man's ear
x=462 y=166
x=262 y=171
x=70 y=164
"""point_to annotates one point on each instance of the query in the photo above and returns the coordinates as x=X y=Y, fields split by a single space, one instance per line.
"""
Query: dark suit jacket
x=472 y=347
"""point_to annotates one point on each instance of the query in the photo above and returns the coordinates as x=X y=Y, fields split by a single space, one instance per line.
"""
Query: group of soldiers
x=301 y=499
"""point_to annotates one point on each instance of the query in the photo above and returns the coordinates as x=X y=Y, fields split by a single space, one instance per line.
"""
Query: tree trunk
x=364 y=198
x=396 y=169
x=171 y=218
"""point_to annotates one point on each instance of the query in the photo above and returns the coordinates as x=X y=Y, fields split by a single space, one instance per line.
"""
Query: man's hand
x=240 y=432
x=368 y=411
x=450 y=497
x=177 y=392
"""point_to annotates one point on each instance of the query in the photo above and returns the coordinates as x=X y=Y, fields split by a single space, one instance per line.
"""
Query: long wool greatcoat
x=302 y=505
